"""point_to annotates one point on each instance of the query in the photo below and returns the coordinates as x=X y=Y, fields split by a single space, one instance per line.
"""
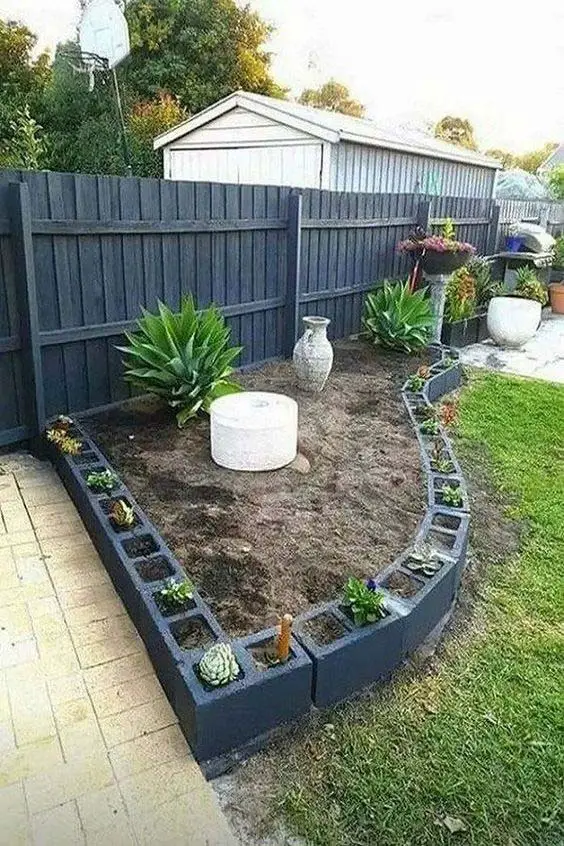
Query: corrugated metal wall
x=357 y=167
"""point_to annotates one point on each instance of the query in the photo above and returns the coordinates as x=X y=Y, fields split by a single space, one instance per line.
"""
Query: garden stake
x=283 y=645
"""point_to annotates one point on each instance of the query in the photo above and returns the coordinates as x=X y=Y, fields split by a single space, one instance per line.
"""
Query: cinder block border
x=242 y=715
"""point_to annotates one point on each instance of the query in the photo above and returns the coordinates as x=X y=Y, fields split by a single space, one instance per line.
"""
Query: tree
x=457 y=131
x=555 y=181
x=506 y=158
x=146 y=120
x=26 y=148
x=22 y=78
x=197 y=50
x=334 y=97
x=533 y=160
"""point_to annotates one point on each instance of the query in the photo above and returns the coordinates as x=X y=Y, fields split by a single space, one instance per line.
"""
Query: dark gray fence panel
x=103 y=247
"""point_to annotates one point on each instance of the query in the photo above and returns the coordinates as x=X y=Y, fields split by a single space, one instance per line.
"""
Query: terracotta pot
x=556 y=290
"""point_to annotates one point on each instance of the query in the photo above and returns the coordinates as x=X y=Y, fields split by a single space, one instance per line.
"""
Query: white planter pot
x=512 y=321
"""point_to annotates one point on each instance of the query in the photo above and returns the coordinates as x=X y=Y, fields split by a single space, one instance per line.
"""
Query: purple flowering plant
x=365 y=601
x=420 y=241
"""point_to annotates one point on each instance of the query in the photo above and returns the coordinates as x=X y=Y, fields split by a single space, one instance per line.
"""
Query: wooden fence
x=79 y=256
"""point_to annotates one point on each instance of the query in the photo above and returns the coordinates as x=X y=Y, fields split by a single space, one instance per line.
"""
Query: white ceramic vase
x=313 y=354
x=512 y=321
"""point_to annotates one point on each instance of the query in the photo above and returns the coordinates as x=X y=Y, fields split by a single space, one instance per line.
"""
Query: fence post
x=20 y=216
x=294 y=250
x=424 y=214
x=493 y=230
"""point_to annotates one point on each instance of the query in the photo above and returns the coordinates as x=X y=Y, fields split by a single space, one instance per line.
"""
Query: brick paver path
x=90 y=749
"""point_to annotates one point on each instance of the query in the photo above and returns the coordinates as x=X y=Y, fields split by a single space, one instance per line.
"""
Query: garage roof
x=328 y=126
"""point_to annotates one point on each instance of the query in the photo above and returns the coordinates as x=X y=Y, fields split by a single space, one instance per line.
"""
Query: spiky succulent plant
x=218 y=665
x=396 y=317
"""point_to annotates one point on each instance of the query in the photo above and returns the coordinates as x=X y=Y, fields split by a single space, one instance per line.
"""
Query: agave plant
x=183 y=357
x=398 y=318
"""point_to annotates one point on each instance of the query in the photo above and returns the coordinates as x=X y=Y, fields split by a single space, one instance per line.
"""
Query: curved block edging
x=243 y=713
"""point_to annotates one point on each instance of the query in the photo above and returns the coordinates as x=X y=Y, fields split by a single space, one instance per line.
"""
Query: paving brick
x=14 y=823
x=7 y=737
x=58 y=657
x=73 y=711
x=51 y=512
x=60 y=826
x=119 y=671
x=20 y=652
x=24 y=593
x=66 y=689
x=148 y=751
x=31 y=711
x=43 y=491
x=104 y=651
x=111 y=628
x=193 y=819
x=24 y=761
x=15 y=624
x=138 y=721
x=79 y=578
x=119 y=834
x=62 y=528
x=31 y=568
x=15 y=517
x=147 y=790
x=9 y=490
x=44 y=605
x=16 y=538
x=90 y=595
x=64 y=782
x=83 y=740
x=101 y=810
x=82 y=615
x=50 y=626
x=126 y=695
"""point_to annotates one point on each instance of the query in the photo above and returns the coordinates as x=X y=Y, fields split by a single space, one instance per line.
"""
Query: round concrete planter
x=512 y=321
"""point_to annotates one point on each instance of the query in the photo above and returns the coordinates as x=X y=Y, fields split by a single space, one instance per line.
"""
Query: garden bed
x=259 y=545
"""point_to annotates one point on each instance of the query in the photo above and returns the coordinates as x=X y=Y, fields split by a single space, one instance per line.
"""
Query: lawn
x=475 y=741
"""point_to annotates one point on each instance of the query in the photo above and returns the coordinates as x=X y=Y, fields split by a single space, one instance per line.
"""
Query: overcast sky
x=496 y=62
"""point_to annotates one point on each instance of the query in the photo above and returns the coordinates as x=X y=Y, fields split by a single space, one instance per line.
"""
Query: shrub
x=558 y=250
x=364 y=600
x=182 y=357
x=460 y=301
x=398 y=318
x=529 y=287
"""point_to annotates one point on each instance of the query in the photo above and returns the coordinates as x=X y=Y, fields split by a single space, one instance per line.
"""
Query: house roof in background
x=329 y=126
x=555 y=158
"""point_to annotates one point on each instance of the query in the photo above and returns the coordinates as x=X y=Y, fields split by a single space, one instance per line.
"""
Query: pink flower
x=436 y=244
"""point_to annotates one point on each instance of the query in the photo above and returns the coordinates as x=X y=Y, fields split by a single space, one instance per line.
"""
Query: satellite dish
x=103 y=32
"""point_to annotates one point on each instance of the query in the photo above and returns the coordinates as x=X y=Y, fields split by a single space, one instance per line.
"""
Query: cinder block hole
x=106 y=506
x=402 y=585
x=97 y=469
x=446 y=521
x=324 y=629
x=440 y=541
x=87 y=457
x=193 y=633
x=140 y=547
x=264 y=654
x=154 y=569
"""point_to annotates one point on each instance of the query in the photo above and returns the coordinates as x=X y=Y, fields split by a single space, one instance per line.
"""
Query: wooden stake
x=283 y=648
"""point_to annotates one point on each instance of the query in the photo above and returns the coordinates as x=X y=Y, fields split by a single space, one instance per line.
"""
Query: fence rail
x=79 y=256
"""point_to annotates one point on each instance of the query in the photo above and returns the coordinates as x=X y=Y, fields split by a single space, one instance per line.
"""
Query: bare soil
x=258 y=545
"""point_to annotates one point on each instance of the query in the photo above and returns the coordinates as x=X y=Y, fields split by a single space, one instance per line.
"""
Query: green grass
x=481 y=737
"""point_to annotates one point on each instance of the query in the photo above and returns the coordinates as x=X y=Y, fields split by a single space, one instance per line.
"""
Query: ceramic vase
x=313 y=354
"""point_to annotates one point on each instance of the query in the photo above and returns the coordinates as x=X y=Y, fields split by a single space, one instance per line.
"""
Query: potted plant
x=468 y=293
x=556 y=287
x=438 y=255
x=513 y=318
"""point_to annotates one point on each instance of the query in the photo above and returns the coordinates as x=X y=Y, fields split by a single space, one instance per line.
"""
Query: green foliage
x=529 y=287
x=440 y=461
x=145 y=121
x=174 y=595
x=219 y=666
x=457 y=131
x=558 y=260
x=530 y=161
x=332 y=96
x=430 y=427
x=103 y=482
x=26 y=147
x=398 y=318
x=484 y=286
x=121 y=514
x=182 y=357
x=197 y=50
x=451 y=495
x=555 y=179
x=366 y=603
x=415 y=382
x=448 y=229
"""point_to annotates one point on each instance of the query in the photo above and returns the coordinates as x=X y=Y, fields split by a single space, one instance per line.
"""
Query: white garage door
x=296 y=164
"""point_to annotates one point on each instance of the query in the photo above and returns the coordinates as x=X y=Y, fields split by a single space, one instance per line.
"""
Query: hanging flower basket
x=438 y=256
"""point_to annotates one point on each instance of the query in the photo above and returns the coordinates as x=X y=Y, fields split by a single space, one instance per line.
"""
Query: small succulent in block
x=175 y=594
x=451 y=495
x=121 y=514
x=448 y=412
x=415 y=383
x=424 y=560
x=102 y=482
x=365 y=601
x=63 y=441
x=440 y=461
x=218 y=665
x=430 y=427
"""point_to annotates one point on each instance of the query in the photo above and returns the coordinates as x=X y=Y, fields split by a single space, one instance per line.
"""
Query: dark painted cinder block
x=215 y=721
x=361 y=657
